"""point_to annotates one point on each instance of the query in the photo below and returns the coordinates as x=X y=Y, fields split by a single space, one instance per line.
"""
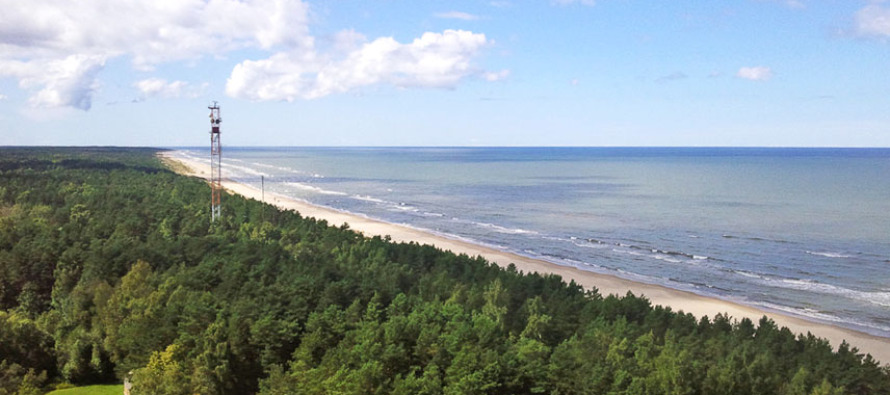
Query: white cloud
x=347 y=41
x=58 y=47
x=873 y=21
x=457 y=15
x=435 y=60
x=67 y=82
x=2 y=97
x=150 y=31
x=758 y=73
x=496 y=76
x=157 y=87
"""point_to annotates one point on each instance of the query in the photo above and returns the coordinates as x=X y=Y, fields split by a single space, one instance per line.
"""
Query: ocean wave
x=577 y=242
x=591 y=245
x=666 y=258
x=454 y=236
x=877 y=298
x=245 y=169
x=315 y=189
x=674 y=257
x=829 y=254
x=827 y=317
x=697 y=284
x=746 y=274
x=370 y=199
x=679 y=253
x=393 y=206
x=192 y=157
x=497 y=228
x=563 y=260
x=755 y=238
x=404 y=207
x=282 y=168
x=633 y=253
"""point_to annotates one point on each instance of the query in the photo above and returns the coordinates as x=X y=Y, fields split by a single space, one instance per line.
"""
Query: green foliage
x=106 y=389
x=110 y=268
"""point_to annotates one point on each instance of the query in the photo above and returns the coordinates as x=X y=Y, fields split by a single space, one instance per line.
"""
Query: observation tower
x=215 y=163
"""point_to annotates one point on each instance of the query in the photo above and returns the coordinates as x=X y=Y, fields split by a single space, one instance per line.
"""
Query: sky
x=800 y=73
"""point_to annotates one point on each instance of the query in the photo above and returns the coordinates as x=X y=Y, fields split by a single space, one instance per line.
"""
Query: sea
x=801 y=231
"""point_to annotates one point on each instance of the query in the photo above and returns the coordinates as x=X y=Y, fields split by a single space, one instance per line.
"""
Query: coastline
x=698 y=305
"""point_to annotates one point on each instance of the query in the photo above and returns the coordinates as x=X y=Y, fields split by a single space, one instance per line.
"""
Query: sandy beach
x=878 y=347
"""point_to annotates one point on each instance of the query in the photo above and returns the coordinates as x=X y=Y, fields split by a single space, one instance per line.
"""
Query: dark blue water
x=803 y=231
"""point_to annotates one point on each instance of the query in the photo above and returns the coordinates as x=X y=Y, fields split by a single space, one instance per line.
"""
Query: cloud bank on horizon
x=57 y=49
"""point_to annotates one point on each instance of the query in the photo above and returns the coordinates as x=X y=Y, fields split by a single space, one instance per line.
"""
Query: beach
x=677 y=300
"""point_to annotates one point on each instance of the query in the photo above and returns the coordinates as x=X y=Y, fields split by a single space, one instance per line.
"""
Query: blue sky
x=455 y=73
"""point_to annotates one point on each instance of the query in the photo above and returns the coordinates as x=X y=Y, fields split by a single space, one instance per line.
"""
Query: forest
x=110 y=267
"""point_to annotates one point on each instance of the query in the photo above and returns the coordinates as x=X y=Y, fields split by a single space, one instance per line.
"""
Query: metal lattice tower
x=215 y=163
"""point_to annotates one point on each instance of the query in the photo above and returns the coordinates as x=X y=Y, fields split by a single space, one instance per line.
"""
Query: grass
x=105 y=389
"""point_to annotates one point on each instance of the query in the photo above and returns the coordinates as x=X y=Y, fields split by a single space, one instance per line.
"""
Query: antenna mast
x=215 y=163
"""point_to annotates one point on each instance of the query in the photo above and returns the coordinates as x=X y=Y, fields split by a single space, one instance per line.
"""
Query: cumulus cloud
x=58 y=47
x=457 y=15
x=158 y=87
x=435 y=60
x=873 y=21
x=150 y=31
x=758 y=73
x=347 y=41
x=67 y=82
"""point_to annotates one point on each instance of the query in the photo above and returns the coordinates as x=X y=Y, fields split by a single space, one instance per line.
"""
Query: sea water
x=801 y=231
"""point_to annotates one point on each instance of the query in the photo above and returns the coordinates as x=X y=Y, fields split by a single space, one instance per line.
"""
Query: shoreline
x=677 y=300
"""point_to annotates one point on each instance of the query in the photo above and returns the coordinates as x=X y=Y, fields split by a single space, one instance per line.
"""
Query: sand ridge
x=878 y=347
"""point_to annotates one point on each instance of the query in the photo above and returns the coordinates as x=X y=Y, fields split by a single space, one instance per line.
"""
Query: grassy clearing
x=107 y=389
